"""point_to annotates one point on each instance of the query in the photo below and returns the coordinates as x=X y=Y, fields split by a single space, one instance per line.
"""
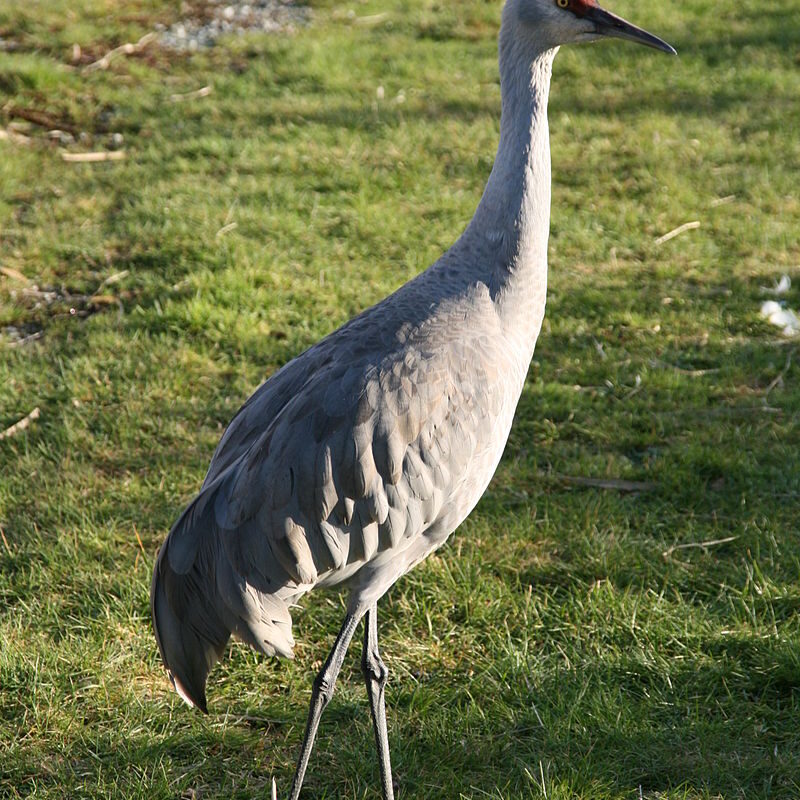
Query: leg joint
x=323 y=686
x=373 y=668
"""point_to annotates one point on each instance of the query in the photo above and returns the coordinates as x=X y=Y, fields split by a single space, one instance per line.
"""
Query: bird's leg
x=321 y=694
x=376 y=675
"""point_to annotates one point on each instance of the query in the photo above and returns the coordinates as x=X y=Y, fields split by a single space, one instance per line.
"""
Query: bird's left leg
x=321 y=695
x=376 y=675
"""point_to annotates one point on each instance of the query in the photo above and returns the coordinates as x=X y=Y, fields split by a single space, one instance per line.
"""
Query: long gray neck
x=506 y=241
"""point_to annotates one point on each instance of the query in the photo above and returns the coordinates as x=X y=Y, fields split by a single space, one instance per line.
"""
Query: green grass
x=552 y=649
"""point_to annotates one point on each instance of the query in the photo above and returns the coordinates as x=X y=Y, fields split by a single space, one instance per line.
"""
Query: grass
x=569 y=642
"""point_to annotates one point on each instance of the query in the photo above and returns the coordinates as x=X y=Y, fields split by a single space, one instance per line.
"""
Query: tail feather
x=190 y=634
x=198 y=599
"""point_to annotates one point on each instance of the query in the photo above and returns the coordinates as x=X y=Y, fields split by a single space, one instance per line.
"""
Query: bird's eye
x=562 y=3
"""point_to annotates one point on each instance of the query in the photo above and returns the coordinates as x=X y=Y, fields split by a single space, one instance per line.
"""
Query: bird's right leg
x=321 y=694
x=376 y=675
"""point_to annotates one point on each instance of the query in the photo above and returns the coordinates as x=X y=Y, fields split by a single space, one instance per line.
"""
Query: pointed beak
x=608 y=24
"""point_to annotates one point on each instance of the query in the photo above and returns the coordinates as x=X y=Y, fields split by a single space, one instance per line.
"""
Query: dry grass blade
x=139 y=539
x=778 y=379
x=117 y=276
x=610 y=483
x=40 y=117
x=226 y=229
x=687 y=226
x=127 y=49
x=103 y=300
x=32 y=337
x=179 y=97
x=370 y=20
x=19 y=426
x=10 y=272
x=99 y=155
x=141 y=548
x=703 y=545
x=5 y=541
x=692 y=373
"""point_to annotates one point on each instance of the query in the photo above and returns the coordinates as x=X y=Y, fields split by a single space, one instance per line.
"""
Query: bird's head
x=557 y=22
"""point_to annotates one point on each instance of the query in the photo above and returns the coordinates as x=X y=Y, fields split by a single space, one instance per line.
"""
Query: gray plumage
x=362 y=455
x=349 y=465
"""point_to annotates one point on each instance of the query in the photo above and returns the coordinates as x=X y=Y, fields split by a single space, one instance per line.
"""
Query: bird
x=360 y=457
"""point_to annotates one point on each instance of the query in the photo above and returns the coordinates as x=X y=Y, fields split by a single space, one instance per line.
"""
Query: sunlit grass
x=569 y=641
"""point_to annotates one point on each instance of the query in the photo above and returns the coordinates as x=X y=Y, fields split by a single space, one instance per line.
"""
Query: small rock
x=233 y=18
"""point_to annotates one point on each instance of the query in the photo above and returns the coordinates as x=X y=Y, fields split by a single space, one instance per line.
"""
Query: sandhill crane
x=361 y=456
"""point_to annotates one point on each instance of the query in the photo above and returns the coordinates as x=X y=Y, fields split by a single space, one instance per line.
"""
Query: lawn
x=572 y=640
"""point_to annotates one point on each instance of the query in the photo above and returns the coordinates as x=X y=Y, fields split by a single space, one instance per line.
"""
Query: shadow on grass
x=615 y=726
